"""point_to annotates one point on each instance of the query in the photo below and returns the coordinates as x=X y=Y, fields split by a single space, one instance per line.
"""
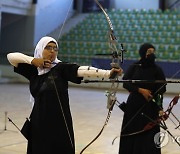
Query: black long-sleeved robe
x=140 y=143
x=51 y=126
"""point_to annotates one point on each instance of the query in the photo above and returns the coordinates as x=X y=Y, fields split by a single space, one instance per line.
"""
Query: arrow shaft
x=131 y=81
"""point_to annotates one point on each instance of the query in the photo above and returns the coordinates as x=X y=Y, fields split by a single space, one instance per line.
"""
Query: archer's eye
x=50 y=48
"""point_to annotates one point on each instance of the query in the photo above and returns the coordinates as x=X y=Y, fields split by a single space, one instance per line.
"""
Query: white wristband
x=92 y=72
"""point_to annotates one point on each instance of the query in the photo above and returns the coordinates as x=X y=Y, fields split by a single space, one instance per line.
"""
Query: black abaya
x=51 y=125
x=140 y=143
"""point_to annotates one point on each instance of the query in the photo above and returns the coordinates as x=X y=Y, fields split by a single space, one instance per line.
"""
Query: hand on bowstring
x=41 y=63
x=146 y=93
x=117 y=71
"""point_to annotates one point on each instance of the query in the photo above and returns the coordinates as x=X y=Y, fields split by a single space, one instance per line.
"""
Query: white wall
x=49 y=15
x=41 y=20
x=21 y=7
x=135 y=4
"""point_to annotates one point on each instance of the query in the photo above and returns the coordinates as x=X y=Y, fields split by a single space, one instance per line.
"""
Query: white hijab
x=39 y=50
x=38 y=54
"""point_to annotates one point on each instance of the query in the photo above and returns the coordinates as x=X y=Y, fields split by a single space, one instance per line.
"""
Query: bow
x=111 y=93
x=161 y=119
x=117 y=57
x=169 y=110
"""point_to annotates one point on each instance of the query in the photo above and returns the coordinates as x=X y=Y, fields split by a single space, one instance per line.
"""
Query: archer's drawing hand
x=146 y=93
x=41 y=63
x=119 y=71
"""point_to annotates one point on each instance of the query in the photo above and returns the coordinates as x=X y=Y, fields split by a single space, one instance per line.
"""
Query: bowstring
x=59 y=35
x=60 y=32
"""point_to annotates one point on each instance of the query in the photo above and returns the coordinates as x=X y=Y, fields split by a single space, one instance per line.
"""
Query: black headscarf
x=143 y=49
x=146 y=62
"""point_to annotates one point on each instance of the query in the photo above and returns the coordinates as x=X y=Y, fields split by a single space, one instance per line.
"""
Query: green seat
x=139 y=39
x=167 y=22
x=161 y=48
x=129 y=39
x=132 y=47
x=176 y=56
x=167 y=11
x=151 y=11
x=136 y=33
x=164 y=34
x=158 y=11
x=165 y=56
x=171 y=48
x=160 y=28
x=158 y=22
x=155 y=34
x=135 y=11
x=148 y=39
x=143 y=11
x=174 y=22
x=145 y=34
x=176 y=41
x=158 y=40
x=134 y=55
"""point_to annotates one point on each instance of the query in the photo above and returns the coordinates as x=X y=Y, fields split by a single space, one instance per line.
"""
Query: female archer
x=140 y=104
x=51 y=126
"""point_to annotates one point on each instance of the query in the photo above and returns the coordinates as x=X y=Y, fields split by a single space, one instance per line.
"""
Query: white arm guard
x=16 y=58
x=87 y=71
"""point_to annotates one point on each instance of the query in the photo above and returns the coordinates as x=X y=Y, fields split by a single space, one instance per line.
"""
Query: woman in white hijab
x=51 y=128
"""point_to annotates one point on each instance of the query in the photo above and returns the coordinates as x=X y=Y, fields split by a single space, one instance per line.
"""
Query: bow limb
x=159 y=121
x=163 y=117
x=169 y=110
x=171 y=105
x=107 y=17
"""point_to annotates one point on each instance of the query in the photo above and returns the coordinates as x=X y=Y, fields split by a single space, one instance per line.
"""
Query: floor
x=89 y=112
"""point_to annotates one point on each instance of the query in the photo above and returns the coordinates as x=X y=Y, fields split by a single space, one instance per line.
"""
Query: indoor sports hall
x=104 y=34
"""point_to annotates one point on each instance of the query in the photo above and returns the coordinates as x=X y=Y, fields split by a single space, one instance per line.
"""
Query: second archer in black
x=132 y=139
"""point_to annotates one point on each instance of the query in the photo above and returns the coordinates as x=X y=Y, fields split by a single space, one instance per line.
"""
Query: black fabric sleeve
x=26 y=70
x=69 y=72
x=128 y=76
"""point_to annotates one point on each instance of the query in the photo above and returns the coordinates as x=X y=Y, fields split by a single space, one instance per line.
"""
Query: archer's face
x=50 y=51
x=150 y=51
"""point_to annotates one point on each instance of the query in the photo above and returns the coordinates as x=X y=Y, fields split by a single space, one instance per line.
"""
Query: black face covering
x=151 y=58
x=149 y=61
x=143 y=49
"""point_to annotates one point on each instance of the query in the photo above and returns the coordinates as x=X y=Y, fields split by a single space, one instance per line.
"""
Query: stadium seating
x=132 y=28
